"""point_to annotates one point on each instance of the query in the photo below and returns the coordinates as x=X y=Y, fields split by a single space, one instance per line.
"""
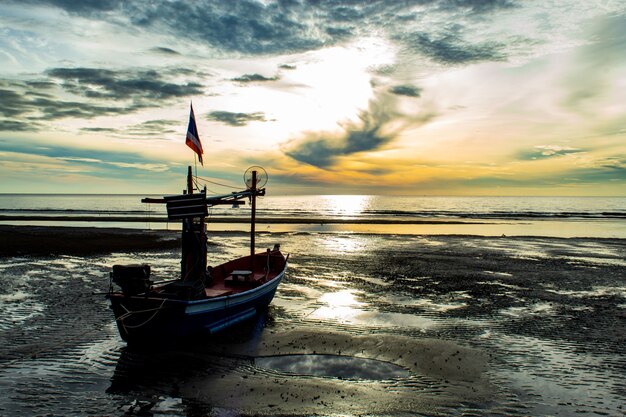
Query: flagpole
x=195 y=166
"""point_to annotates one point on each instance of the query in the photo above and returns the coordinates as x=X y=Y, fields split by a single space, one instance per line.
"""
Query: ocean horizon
x=603 y=217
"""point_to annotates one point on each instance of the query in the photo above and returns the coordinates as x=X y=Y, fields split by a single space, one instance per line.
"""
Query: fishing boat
x=203 y=299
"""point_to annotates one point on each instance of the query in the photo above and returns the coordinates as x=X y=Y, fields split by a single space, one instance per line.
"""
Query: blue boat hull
x=142 y=319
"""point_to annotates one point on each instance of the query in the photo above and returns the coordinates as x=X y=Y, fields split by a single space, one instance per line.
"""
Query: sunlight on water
x=341 y=305
x=346 y=205
x=344 y=307
x=343 y=244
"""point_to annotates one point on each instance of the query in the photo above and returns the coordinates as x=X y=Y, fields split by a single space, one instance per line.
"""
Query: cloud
x=18 y=126
x=250 y=78
x=253 y=27
x=245 y=26
x=116 y=92
x=13 y=103
x=284 y=27
x=83 y=7
x=99 y=129
x=406 y=90
x=34 y=108
x=321 y=149
x=287 y=67
x=450 y=47
x=164 y=51
x=150 y=128
x=476 y=6
x=41 y=85
x=110 y=161
x=121 y=84
x=593 y=75
x=236 y=119
x=546 y=151
x=375 y=128
x=604 y=174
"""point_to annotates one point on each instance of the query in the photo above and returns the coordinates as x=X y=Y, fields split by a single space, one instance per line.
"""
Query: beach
x=364 y=324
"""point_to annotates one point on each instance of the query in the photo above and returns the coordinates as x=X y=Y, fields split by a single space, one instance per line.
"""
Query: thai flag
x=193 y=139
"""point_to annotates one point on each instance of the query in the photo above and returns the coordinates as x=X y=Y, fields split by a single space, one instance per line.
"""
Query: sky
x=425 y=97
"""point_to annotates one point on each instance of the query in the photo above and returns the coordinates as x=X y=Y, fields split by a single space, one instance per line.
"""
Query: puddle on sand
x=344 y=367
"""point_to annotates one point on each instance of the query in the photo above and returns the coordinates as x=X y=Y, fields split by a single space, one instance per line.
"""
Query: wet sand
x=482 y=326
x=42 y=240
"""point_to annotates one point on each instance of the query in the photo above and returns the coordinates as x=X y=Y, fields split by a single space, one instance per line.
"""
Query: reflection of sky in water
x=529 y=310
x=428 y=303
x=343 y=244
x=346 y=367
x=596 y=291
x=343 y=307
x=18 y=307
x=559 y=374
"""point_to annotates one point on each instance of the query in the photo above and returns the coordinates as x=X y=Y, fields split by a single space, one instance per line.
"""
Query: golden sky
x=484 y=97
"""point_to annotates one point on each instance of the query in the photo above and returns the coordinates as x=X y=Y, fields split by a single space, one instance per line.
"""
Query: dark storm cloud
x=406 y=90
x=236 y=119
x=110 y=84
x=250 y=78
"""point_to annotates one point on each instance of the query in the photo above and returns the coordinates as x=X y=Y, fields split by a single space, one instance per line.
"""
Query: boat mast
x=252 y=216
x=193 y=263
x=189 y=180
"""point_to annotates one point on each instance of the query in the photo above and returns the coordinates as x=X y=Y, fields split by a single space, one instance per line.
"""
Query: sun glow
x=342 y=306
x=346 y=205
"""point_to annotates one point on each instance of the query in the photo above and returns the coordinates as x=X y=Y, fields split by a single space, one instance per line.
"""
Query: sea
x=391 y=306
x=486 y=216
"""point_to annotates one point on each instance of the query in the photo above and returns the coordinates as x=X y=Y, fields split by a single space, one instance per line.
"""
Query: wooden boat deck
x=232 y=284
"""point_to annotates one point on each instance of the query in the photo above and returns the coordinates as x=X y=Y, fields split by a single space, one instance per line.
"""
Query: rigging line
x=217 y=183
x=196 y=183
x=209 y=191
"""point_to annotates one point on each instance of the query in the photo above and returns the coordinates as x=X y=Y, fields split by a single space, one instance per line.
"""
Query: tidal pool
x=344 y=367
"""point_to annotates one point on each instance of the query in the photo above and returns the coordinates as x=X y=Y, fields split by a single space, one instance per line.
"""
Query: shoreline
x=236 y=220
x=18 y=240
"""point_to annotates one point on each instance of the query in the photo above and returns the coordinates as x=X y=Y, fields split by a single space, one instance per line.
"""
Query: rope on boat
x=130 y=313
